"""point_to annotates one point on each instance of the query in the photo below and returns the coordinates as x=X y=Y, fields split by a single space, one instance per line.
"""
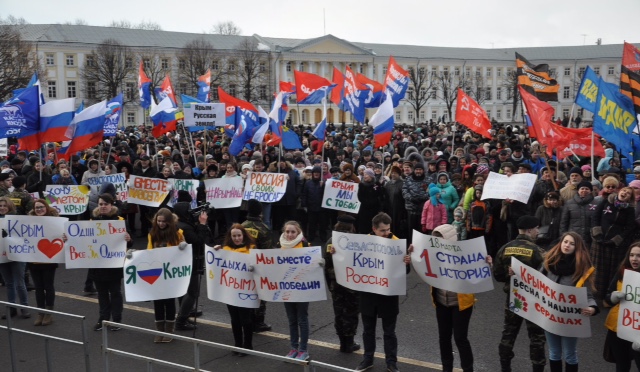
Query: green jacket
x=259 y=231
x=524 y=249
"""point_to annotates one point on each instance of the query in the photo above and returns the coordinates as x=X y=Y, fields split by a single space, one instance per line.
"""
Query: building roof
x=169 y=39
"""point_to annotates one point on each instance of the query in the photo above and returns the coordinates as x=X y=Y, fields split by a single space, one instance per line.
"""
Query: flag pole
x=571 y=115
x=41 y=161
x=593 y=146
x=106 y=163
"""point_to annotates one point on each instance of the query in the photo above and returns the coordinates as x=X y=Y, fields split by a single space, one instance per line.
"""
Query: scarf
x=566 y=266
x=286 y=244
x=619 y=204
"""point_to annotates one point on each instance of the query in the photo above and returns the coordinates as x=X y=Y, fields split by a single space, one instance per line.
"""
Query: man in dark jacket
x=311 y=200
x=146 y=213
x=197 y=233
x=414 y=191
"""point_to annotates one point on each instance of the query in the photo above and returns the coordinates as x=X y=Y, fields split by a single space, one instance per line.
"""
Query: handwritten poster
x=552 y=306
x=517 y=187
x=156 y=274
x=224 y=192
x=289 y=275
x=457 y=266
x=229 y=280
x=629 y=313
x=341 y=196
x=148 y=191
x=369 y=263
x=34 y=238
x=68 y=199
x=95 y=244
x=204 y=115
x=190 y=186
x=265 y=187
x=118 y=180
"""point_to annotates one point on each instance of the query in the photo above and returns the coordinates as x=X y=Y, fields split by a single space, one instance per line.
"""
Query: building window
x=567 y=71
x=263 y=67
x=51 y=89
x=232 y=65
x=384 y=70
x=164 y=63
x=581 y=71
x=214 y=65
x=374 y=70
x=422 y=115
x=498 y=93
x=488 y=72
x=146 y=63
x=423 y=92
x=498 y=114
x=263 y=92
x=398 y=115
x=566 y=92
x=478 y=72
x=508 y=114
x=610 y=70
x=552 y=72
x=50 y=59
x=232 y=90
x=434 y=115
x=487 y=94
x=421 y=71
x=410 y=94
x=71 y=60
x=410 y=115
x=362 y=68
x=597 y=70
x=565 y=112
x=456 y=71
x=434 y=70
x=301 y=67
x=499 y=72
x=445 y=71
x=467 y=72
x=71 y=89
x=434 y=93
x=128 y=62
x=182 y=64
x=183 y=88
x=90 y=61
x=91 y=90
x=131 y=117
x=303 y=117
x=130 y=91
x=288 y=66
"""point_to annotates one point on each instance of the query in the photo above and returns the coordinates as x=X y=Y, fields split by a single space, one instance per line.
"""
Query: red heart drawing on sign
x=50 y=248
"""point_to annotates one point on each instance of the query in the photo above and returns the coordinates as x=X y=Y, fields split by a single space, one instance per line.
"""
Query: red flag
x=288 y=87
x=631 y=57
x=337 y=92
x=167 y=89
x=310 y=88
x=538 y=115
x=577 y=140
x=471 y=115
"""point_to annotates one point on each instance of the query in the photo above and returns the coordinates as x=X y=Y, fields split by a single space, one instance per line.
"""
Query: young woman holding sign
x=297 y=312
x=238 y=239
x=568 y=263
x=616 y=350
x=164 y=233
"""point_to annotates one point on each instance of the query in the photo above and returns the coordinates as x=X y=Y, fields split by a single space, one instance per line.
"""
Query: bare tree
x=226 y=28
x=106 y=69
x=13 y=21
x=251 y=72
x=143 y=25
x=194 y=59
x=446 y=86
x=153 y=68
x=18 y=58
x=419 y=91
x=77 y=22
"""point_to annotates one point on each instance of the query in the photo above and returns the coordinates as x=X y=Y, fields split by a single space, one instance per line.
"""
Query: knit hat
x=254 y=208
x=586 y=184
x=370 y=173
x=445 y=174
x=585 y=168
x=447 y=231
x=433 y=192
x=634 y=183
x=575 y=170
x=552 y=195
x=610 y=181
x=419 y=166
x=316 y=169
x=597 y=184
x=527 y=222
x=478 y=187
x=482 y=169
x=458 y=212
x=184 y=196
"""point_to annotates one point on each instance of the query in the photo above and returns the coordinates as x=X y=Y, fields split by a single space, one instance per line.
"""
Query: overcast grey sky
x=456 y=23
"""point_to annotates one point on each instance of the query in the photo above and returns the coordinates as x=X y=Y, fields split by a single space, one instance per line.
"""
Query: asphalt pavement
x=416 y=330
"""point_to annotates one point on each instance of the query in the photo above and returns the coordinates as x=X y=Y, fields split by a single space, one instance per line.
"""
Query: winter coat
x=568 y=280
x=113 y=274
x=394 y=206
x=449 y=197
x=479 y=216
x=433 y=215
x=371 y=197
x=311 y=197
x=194 y=233
x=577 y=214
x=549 y=217
x=414 y=191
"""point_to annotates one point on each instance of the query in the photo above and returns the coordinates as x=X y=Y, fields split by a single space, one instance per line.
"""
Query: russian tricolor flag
x=87 y=128
x=163 y=117
x=55 y=118
x=143 y=87
x=382 y=122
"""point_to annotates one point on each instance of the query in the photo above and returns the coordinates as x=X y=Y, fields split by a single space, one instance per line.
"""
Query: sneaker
x=302 y=355
x=185 y=326
x=262 y=327
x=114 y=328
x=391 y=367
x=90 y=291
x=98 y=326
x=292 y=354
x=365 y=365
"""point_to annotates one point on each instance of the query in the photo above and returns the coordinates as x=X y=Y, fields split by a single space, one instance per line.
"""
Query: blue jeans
x=562 y=348
x=297 y=313
x=13 y=275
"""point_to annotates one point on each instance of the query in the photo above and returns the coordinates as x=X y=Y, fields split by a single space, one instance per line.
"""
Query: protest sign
x=369 y=263
x=265 y=187
x=457 y=266
x=119 y=180
x=224 y=192
x=190 y=186
x=517 y=187
x=629 y=313
x=289 y=275
x=34 y=238
x=4 y=147
x=341 y=196
x=148 y=191
x=156 y=274
x=204 y=115
x=229 y=280
x=68 y=199
x=554 y=307
x=95 y=244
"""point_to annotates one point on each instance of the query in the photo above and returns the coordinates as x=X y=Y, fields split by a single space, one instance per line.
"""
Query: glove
x=182 y=246
x=617 y=240
x=596 y=233
x=129 y=254
x=636 y=346
x=250 y=268
x=321 y=262
x=616 y=297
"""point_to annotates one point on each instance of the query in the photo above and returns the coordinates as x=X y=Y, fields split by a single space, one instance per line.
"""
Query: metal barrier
x=9 y=327
x=197 y=343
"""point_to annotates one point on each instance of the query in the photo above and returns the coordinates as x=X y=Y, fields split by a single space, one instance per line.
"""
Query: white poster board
x=188 y=185
x=517 y=187
x=204 y=115
x=369 y=263
x=4 y=147
x=457 y=266
x=629 y=313
x=68 y=199
x=119 y=180
x=341 y=196
x=95 y=244
x=224 y=193
x=229 y=280
x=156 y=274
x=554 y=307
x=265 y=187
x=289 y=275
x=148 y=191
x=34 y=238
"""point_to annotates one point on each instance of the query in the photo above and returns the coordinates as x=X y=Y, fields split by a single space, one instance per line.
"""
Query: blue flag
x=614 y=117
x=20 y=115
x=245 y=129
x=112 y=116
x=588 y=92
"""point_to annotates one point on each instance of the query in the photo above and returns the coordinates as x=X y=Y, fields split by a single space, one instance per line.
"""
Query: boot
x=39 y=319
x=540 y=367
x=27 y=282
x=160 y=325
x=182 y=324
x=342 y=344
x=48 y=318
x=555 y=365
x=505 y=365
x=168 y=327
x=12 y=313
x=25 y=314
x=571 y=367
x=349 y=345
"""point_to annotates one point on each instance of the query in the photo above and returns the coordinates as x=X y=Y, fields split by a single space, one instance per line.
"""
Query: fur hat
x=610 y=181
x=447 y=231
x=254 y=208
x=370 y=173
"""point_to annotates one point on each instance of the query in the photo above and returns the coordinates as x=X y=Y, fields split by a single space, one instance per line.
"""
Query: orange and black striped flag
x=630 y=75
x=536 y=79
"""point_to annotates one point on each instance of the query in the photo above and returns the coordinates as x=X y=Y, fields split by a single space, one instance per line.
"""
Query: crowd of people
x=580 y=224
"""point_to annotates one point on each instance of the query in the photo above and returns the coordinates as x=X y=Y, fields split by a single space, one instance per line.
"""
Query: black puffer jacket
x=194 y=233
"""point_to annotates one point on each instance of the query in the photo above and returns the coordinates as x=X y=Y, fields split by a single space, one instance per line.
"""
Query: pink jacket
x=433 y=216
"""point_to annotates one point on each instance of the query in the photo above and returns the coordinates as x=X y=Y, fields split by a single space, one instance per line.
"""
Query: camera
x=197 y=211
